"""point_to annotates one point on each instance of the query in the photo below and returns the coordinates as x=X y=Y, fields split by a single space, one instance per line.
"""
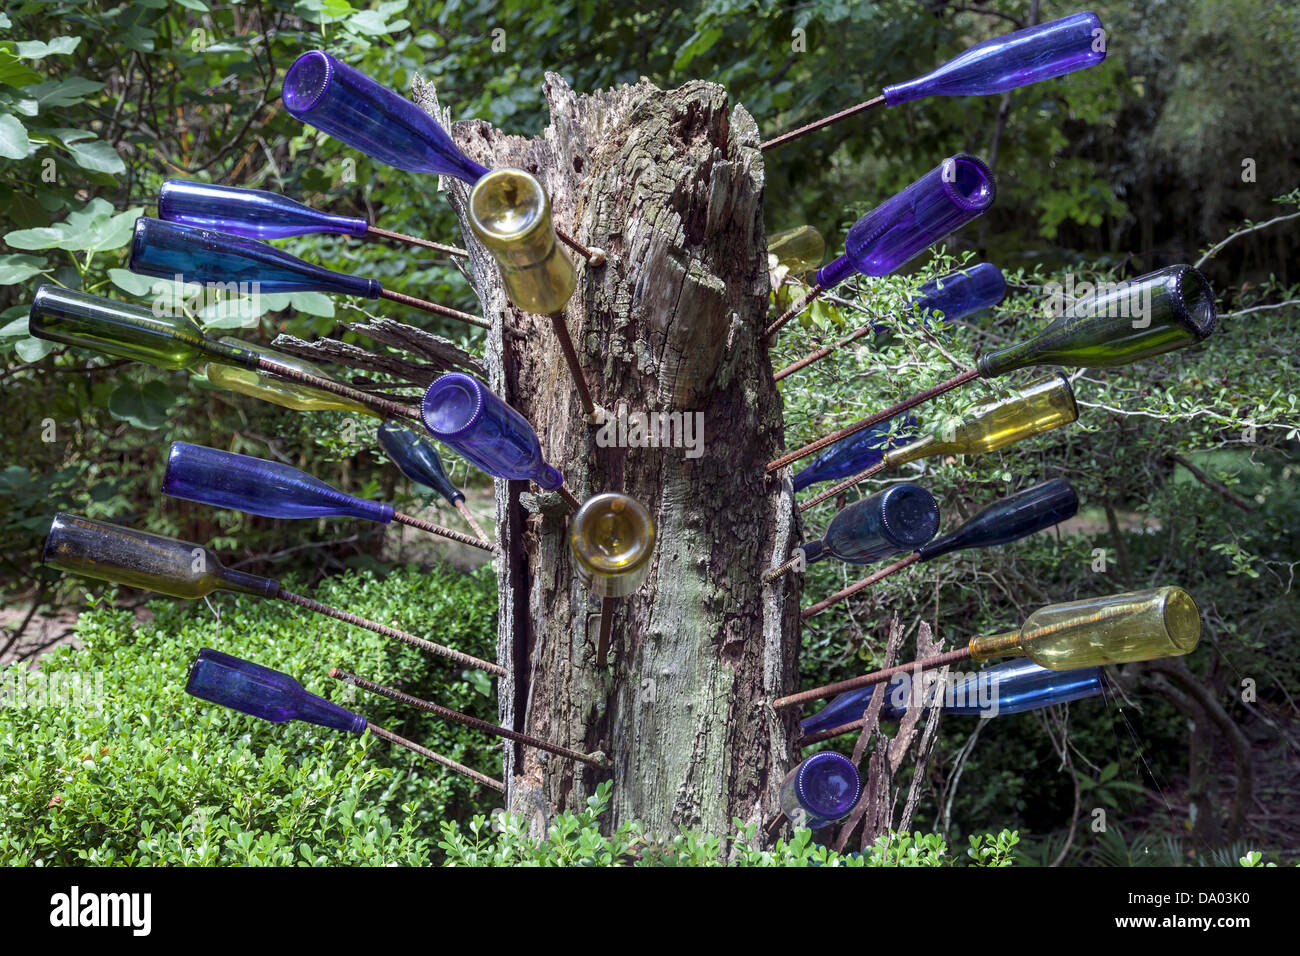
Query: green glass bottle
x=167 y=339
x=995 y=423
x=280 y=391
x=1115 y=629
x=510 y=213
x=1158 y=312
x=152 y=562
x=800 y=249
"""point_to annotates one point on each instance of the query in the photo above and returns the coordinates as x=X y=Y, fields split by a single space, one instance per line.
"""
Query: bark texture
x=670 y=185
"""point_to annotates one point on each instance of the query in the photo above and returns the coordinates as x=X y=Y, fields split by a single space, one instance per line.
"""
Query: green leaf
x=33 y=349
x=14 y=143
x=144 y=406
x=98 y=157
x=38 y=49
x=15 y=72
x=59 y=93
x=19 y=268
x=43 y=237
x=198 y=5
x=131 y=283
x=313 y=303
x=698 y=44
x=368 y=23
x=112 y=233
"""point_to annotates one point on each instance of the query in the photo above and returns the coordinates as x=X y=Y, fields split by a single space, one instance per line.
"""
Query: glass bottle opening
x=612 y=538
x=506 y=205
x=306 y=81
x=829 y=785
x=1195 y=300
x=451 y=405
x=1182 y=620
x=968 y=182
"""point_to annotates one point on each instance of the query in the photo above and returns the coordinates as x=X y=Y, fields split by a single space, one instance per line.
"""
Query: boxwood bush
x=148 y=775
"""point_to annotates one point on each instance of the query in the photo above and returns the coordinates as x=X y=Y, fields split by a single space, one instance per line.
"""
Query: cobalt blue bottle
x=167 y=250
x=822 y=789
x=848 y=456
x=462 y=412
x=224 y=479
x=253 y=213
x=416 y=458
x=262 y=692
x=324 y=92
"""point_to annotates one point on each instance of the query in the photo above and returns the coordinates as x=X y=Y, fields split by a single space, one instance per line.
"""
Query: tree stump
x=670 y=185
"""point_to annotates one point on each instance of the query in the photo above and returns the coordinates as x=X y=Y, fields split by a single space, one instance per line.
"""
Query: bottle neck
x=244 y=583
x=1006 y=644
x=833 y=273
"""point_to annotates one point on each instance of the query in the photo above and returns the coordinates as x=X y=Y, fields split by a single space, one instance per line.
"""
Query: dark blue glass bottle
x=462 y=412
x=1011 y=61
x=899 y=519
x=324 y=92
x=262 y=692
x=1009 y=519
x=224 y=479
x=848 y=456
x=416 y=458
x=1010 y=687
x=822 y=789
x=168 y=250
x=946 y=198
x=254 y=213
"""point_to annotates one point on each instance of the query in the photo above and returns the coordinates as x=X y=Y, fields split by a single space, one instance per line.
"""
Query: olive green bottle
x=165 y=338
x=995 y=423
x=280 y=391
x=510 y=213
x=1115 y=629
x=800 y=249
x=152 y=562
x=1158 y=312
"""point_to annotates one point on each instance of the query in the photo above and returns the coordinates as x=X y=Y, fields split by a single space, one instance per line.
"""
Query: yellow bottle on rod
x=279 y=391
x=612 y=537
x=510 y=213
x=800 y=249
x=1114 y=629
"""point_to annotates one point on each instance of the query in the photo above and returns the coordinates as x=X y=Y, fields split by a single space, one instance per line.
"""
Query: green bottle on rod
x=1159 y=312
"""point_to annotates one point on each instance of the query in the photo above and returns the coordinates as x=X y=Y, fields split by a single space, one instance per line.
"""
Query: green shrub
x=150 y=776
x=574 y=839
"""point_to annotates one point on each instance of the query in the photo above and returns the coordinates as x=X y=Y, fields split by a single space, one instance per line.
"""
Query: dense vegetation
x=1178 y=141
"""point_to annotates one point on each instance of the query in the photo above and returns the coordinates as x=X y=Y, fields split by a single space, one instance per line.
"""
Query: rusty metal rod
x=473 y=523
x=606 y=628
x=844 y=485
x=435 y=308
x=457 y=717
x=794 y=310
x=821 y=123
x=575 y=367
x=876 y=677
x=436 y=758
x=592 y=254
x=438 y=529
x=383 y=406
x=821 y=353
x=857 y=586
x=417 y=241
x=459 y=657
x=917 y=399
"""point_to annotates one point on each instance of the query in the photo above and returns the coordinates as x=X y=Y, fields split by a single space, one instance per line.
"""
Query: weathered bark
x=670 y=185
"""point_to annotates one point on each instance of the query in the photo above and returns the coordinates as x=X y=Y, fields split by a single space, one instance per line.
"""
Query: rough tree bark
x=670 y=185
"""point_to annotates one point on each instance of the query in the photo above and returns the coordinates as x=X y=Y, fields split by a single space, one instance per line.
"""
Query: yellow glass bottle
x=510 y=213
x=1115 y=629
x=996 y=423
x=276 y=390
x=800 y=249
x=612 y=537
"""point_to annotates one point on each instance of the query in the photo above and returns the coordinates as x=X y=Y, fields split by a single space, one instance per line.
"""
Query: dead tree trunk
x=670 y=185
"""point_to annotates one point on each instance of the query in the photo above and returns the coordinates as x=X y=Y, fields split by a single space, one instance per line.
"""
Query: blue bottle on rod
x=822 y=789
x=462 y=412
